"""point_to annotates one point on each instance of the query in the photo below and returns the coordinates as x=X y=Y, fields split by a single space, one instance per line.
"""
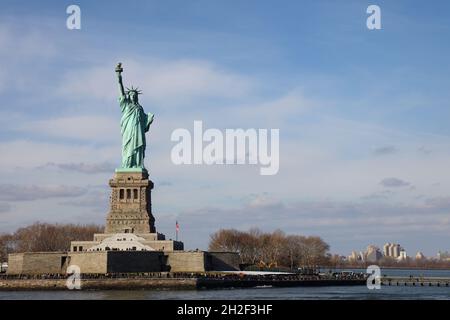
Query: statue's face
x=133 y=96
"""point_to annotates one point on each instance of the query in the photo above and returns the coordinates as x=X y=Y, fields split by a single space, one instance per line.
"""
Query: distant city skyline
x=395 y=251
x=363 y=115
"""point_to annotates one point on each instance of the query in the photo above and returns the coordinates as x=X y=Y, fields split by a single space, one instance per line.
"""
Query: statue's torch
x=119 y=68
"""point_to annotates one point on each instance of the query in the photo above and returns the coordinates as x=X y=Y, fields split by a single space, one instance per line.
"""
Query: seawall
x=169 y=283
x=99 y=284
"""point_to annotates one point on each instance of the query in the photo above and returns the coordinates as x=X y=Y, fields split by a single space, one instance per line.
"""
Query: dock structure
x=416 y=281
x=169 y=280
x=204 y=280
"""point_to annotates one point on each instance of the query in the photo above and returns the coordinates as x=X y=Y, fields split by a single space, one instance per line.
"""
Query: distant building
x=443 y=256
x=373 y=254
x=354 y=257
x=391 y=250
x=362 y=256
x=386 y=249
x=396 y=249
x=420 y=256
x=122 y=242
x=402 y=256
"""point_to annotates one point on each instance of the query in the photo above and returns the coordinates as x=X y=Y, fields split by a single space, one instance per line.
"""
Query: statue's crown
x=136 y=90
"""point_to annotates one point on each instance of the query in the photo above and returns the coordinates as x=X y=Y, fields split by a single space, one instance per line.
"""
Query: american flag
x=177 y=226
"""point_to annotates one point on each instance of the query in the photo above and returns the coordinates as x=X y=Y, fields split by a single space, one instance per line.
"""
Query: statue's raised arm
x=119 y=71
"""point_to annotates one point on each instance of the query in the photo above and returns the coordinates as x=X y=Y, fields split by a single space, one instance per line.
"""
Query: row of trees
x=255 y=247
x=274 y=249
x=45 y=237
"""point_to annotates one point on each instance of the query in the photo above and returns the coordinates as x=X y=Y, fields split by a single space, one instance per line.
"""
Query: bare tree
x=271 y=249
x=45 y=237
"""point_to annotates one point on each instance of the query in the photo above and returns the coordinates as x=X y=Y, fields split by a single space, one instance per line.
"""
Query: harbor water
x=350 y=292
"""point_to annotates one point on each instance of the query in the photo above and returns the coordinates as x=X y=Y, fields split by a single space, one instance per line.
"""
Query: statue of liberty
x=134 y=124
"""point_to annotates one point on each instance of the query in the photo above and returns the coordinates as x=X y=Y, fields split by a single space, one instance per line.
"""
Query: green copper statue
x=134 y=124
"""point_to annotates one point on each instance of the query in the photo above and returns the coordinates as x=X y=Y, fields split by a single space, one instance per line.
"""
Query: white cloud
x=272 y=112
x=88 y=168
x=162 y=81
x=14 y=192
x=262 y=200
x=23 y=54
x=4 y=207
x=330 y=219
x=17 y=42
x=30 y=154
x=384 y=150
x=91 y=128
x=394 y=182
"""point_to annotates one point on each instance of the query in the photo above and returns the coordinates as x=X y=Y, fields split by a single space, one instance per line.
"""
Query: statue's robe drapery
x=134 y=124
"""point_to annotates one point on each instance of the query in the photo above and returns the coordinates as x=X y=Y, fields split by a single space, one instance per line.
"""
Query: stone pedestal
x=130 y=203
x=130 y=213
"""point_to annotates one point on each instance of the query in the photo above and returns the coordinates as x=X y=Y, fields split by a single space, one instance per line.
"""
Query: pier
x=174 y=281
x=207 y=280
x=416 y=281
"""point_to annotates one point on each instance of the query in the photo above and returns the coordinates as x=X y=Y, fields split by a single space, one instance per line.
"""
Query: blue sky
x=362 y=115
